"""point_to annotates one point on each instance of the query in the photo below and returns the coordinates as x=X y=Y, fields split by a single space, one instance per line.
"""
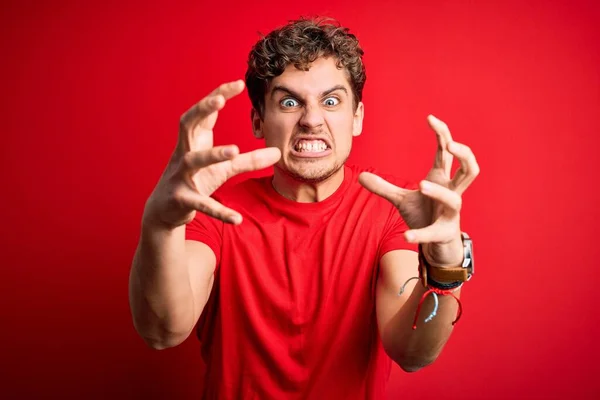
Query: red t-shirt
x=292 y=310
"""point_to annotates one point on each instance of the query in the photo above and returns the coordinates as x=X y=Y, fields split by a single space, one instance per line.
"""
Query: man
x=295 y=278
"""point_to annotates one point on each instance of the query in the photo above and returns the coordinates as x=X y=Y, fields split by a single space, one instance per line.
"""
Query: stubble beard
x=313 y=173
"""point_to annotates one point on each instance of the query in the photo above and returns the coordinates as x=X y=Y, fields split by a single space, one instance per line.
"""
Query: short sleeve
x=207 y=230
x=393 y=235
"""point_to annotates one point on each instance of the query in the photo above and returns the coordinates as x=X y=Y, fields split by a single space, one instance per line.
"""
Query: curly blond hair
x=300 y=43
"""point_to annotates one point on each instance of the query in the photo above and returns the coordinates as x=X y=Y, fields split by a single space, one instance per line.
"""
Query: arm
x=410 y=349
x=432 y=214
x=169 y=284
x=171 y=278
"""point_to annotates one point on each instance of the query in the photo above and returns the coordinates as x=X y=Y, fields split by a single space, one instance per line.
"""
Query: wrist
x=439 y=278
x=446 y=275
x=443 y=281
x=158 y=217
x=153 y=224
x=447 y=255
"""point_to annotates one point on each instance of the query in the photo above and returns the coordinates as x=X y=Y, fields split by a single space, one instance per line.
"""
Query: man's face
x=309 y=116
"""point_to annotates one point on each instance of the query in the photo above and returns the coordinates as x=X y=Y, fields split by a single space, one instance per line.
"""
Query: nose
x=312 y=117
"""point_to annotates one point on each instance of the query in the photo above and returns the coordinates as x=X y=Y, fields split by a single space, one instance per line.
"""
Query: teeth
x=311 y=146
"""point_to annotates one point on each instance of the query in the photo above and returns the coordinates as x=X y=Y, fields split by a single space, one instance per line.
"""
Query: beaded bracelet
x=445 y=285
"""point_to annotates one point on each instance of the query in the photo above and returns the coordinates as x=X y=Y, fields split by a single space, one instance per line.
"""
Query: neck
x=306 y=192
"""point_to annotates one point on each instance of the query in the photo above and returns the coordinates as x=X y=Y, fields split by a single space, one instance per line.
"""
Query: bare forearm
x=160 y=293
x=412 y=348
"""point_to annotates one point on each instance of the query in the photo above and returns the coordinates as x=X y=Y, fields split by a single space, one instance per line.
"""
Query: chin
x=313 y=171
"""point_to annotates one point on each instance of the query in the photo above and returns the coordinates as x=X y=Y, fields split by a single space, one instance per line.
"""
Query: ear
x=359 y=114
x=257 y=124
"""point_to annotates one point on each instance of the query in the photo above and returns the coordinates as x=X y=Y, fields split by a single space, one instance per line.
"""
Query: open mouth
x=311 y=148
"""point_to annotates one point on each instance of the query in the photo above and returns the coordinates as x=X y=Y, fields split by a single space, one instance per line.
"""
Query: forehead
x=322 y=75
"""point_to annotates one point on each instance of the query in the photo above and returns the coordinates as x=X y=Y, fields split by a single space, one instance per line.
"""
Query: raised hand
x=196 y=168
x=433 y=211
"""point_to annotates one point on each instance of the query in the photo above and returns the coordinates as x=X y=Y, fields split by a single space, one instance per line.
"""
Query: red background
x=91 y=97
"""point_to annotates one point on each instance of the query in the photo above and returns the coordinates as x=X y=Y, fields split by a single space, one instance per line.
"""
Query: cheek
x=278 y=129
x=341 y=127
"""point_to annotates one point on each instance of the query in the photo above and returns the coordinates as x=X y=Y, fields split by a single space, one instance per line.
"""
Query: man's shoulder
x=242 y=188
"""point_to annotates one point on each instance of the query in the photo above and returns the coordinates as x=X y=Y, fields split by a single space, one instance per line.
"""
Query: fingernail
x=433 y=118
x=236 y=219
x=425 y=186
x=229 y=151
x=410 y=237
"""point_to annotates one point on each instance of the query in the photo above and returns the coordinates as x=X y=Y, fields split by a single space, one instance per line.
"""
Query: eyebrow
x=280 y=88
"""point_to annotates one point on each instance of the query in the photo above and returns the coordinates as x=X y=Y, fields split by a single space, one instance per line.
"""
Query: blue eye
x=287 y=103
x=331 y=101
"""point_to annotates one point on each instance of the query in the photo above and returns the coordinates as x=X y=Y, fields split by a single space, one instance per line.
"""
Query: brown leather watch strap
x=448 y=274
x=439 y=274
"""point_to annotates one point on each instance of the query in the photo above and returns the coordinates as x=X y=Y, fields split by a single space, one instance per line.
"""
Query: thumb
x=381 y=187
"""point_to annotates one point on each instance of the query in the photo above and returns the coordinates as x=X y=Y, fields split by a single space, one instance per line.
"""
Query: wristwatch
x=453 y=276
